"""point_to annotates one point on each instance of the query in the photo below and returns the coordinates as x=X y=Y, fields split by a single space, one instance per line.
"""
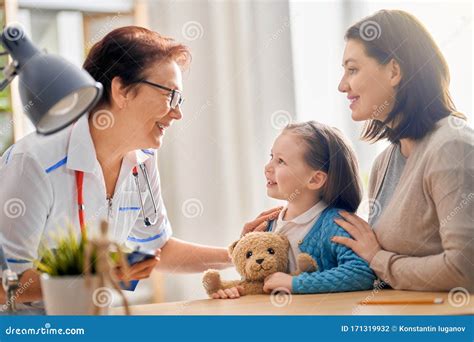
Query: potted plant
x=78 y=275
x=66 y=290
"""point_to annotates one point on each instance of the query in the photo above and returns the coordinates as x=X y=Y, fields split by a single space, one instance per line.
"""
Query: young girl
x=314 y=169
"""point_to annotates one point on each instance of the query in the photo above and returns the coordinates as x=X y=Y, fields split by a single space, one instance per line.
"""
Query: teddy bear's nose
x=259 y=261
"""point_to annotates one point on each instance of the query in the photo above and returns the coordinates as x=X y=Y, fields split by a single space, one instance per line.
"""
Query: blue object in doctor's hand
x=134 y=258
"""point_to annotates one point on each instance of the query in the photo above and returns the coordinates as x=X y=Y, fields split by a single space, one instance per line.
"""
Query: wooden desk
x=319 y=304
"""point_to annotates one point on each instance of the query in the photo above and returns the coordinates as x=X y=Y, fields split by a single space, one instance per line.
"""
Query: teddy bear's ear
x=232 y=246
x=284 y=239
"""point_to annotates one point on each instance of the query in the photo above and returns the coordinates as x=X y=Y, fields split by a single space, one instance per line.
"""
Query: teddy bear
x=257 y=255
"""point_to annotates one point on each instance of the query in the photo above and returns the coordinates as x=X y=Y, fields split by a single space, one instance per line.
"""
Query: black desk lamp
x=54 y=92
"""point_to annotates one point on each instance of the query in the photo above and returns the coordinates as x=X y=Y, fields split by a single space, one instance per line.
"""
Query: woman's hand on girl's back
x=364 y=242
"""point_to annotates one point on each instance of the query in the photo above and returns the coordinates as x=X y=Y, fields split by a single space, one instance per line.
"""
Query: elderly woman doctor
x=104 y=166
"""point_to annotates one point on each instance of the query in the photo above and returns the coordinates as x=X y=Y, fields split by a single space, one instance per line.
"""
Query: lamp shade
x=54 y=92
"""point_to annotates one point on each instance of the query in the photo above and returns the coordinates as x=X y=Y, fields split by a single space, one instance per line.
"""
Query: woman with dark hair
x=420 y=234
x=105 y=166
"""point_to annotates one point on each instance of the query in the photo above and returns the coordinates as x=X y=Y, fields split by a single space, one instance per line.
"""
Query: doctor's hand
x=261 y=222
x=140 y=270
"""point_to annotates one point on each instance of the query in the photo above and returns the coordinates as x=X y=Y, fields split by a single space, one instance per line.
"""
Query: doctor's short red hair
x=127 y=52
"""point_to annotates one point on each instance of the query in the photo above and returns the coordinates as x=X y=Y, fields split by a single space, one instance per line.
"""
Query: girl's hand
x=364 y=242
x=140 y=270
x=261 y=222
x=233 y=292
x=278 y=280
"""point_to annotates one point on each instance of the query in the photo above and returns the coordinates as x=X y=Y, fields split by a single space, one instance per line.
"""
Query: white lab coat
x=38 y=195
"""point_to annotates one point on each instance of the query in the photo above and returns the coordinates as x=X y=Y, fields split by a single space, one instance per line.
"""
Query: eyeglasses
x=176 y=96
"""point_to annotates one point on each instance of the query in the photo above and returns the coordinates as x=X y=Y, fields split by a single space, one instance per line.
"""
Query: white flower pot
x=69 y=295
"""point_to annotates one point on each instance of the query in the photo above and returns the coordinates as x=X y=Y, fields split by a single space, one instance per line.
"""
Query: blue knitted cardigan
x=339 y=268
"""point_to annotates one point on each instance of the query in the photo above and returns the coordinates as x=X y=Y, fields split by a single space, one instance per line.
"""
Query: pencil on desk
x=403 y=301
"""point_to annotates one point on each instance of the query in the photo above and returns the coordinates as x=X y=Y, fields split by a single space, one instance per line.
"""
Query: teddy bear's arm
x=212 y=282
x=252 y=288
x=306 y=263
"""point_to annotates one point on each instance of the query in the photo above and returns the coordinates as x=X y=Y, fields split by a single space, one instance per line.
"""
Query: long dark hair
x=423 y=96
x=327 y=150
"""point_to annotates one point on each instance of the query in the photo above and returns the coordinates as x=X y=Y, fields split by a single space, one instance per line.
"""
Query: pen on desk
x=402 y=301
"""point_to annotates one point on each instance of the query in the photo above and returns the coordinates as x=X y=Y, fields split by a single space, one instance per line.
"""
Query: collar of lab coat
x=81 y=155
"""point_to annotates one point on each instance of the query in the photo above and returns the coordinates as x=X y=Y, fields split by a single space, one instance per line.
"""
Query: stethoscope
x=80 y=197
x=137 y=182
